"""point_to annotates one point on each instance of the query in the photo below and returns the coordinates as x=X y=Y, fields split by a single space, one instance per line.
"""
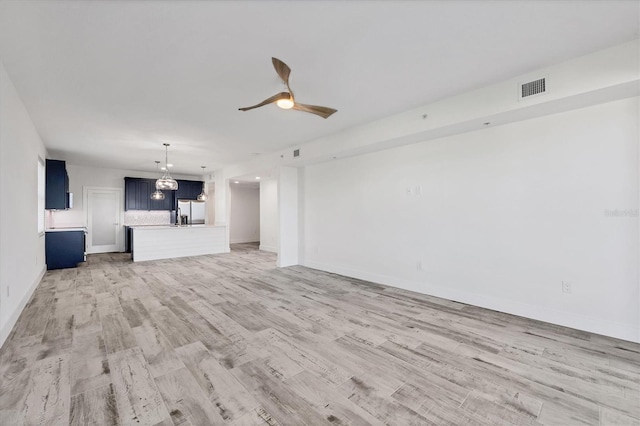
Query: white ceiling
x=107 y=82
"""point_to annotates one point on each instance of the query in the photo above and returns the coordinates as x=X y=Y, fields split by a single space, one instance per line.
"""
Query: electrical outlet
x=419 y=265
x=418 y=190
x=409 y=190
x=7 y=292
x=566 y=287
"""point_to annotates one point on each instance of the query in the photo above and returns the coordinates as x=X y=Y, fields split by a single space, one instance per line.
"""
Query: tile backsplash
x=143 y=217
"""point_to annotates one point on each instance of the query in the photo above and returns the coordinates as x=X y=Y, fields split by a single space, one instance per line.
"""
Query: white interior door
x=104 y=231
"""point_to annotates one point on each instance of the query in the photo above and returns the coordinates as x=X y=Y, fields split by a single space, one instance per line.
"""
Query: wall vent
x=531 y=88
x=296 y=153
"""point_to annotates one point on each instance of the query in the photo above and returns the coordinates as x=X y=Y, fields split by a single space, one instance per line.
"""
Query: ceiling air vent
x=296 y=153
x=531 y=88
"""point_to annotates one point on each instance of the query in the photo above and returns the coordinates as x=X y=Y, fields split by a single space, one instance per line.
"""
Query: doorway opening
x=244 y=212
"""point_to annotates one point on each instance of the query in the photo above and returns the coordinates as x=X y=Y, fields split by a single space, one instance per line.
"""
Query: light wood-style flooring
x=232 y=340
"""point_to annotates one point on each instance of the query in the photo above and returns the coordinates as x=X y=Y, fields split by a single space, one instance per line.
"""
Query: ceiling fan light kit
x=286 y=100
x=285 y=103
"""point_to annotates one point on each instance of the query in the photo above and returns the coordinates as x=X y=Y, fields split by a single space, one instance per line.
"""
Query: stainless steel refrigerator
x=194 y=210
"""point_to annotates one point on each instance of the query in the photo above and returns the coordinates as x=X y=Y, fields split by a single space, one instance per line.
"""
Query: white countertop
x=149 y=227
x=66 y=229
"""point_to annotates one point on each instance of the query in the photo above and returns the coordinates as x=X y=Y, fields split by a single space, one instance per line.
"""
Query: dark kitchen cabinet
x=128 y=238
x=137 y=195
x=166 y=204
x=188 y=189
x=56 y=185
x=64 y=249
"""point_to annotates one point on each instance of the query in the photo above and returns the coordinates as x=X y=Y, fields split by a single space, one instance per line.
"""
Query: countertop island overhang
x=168 y=241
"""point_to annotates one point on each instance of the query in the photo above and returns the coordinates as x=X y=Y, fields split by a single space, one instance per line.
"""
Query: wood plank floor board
x=60 y=326
x=231 y=339
x=224 y=391
x=108 y=304
x=137 y=397
x=86 y=319
x=184 y=398
x=286 y=406
x=382 y=408
x=85 y=294
x=255 y=418
x=487 y=411
x=34 y=317
x=95 y=407
x=177 y=331
x=208 y=334
x=160 y=356
x=383 y=381
x=336 y=408
x=446 y=414
x=90 y=365
x=229 y=328
x=48 y=395
x=135 y=312
x=117 y=332
x=476 y=374
x=16 y=360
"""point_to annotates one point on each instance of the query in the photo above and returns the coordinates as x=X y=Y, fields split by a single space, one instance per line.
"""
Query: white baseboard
x=268 y=248
x=243 y=240
x=567 y=319
x=6 y=329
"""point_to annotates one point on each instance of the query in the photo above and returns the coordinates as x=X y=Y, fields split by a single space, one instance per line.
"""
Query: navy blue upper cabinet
x=137 y=195
x=166 y=204
x=189 y=189
x=56 y=185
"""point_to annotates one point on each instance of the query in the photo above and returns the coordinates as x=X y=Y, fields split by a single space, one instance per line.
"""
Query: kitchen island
x=169 y=241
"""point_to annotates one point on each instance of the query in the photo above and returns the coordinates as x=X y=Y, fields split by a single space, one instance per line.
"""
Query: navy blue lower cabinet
x=64 y=249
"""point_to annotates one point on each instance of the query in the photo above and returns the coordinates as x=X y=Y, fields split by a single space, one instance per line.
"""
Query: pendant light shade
x=166 y=182
x=157 y=195
x=202 y=196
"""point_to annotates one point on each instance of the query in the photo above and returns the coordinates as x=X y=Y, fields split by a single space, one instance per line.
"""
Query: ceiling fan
x=285 y=100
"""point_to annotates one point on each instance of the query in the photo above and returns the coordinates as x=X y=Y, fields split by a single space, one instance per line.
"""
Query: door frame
x=85 y=206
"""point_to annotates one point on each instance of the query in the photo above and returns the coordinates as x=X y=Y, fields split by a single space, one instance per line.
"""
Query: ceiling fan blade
x=274 y=98
x=323 y=112
x=282 y=69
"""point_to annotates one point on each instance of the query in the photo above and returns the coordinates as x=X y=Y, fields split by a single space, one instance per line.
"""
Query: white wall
x=288 y=217
x=269 y=215
x=244 y=217
x=498 y=218
x=22 y=258
x=211 y=204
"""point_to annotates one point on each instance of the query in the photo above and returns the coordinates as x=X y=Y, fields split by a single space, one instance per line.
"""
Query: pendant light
x=158 y=195
x=202 y=196
x=166 y=181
